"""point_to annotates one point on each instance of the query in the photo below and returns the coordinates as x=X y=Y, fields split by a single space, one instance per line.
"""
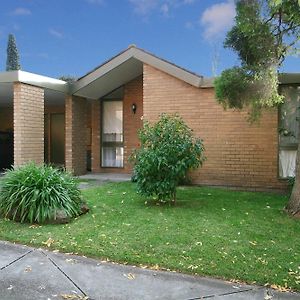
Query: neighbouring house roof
x=124 y=67
x=289 y=78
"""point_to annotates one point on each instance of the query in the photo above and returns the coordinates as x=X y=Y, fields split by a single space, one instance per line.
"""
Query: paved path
x=28 y=273
x=97 y=179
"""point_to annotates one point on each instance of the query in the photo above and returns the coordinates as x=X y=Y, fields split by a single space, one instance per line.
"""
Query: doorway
x=6 y=149
x=112 y=148
x=54 y=150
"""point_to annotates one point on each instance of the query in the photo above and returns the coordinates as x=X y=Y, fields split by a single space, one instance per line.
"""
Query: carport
x=32 y=107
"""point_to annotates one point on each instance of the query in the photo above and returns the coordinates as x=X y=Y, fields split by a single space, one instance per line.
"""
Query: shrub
x=38 y=194
x=168 y=151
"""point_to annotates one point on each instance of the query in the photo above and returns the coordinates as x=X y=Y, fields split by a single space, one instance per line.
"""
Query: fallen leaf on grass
x=35 y=226
x=155 y=267
x=254 y=243
x=49 y=242
x=280 y=288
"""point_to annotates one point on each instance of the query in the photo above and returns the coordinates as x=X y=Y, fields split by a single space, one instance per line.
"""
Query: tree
x=12 y=60
x=68 y=78
x=168 y=151
x=265 y=32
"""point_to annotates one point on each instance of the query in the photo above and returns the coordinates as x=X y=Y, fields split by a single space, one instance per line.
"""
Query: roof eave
x=34 y=79
x=144 y=57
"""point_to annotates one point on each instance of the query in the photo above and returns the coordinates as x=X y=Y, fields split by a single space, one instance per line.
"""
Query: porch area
x=44 y=121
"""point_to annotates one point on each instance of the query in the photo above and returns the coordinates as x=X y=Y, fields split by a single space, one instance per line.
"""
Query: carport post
x=28 y=106
x=76 y=134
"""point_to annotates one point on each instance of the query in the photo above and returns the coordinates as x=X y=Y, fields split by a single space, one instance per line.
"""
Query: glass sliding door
x=112 y=150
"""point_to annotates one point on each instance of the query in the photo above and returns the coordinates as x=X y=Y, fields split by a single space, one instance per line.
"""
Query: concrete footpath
x=28 y=273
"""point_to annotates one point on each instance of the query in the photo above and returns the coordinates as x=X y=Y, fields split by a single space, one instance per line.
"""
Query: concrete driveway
x=28 y=273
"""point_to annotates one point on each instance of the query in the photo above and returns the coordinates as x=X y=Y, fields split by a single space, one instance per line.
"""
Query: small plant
x=39 y=194
x=168 y=151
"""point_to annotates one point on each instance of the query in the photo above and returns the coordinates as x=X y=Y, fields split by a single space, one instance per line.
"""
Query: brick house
x=92 y=124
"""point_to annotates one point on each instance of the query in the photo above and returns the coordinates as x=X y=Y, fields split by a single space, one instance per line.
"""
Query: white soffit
x=34 y=79
x=98 y=87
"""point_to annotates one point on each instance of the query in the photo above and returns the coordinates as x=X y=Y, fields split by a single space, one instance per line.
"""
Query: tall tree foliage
x=265 y=32
x=12 y=60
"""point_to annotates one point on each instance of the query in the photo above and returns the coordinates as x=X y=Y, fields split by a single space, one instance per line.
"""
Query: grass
x=228 y=234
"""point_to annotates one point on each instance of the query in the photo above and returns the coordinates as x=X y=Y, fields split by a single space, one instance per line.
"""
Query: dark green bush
x=231 y=87
x=168 y=151
x=36 y=194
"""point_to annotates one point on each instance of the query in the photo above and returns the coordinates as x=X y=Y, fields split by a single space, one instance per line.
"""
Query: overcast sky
x=70 y=37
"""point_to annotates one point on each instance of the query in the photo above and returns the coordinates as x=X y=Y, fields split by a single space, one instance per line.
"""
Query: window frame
x=110 y=144
x=290 y=146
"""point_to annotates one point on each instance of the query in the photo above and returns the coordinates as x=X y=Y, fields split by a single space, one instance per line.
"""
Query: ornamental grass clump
x=39 y=194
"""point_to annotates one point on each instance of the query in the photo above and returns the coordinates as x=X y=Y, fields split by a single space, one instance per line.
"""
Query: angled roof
x=124 y=67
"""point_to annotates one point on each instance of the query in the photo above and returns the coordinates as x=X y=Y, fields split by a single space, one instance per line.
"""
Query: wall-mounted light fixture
x=133 y=108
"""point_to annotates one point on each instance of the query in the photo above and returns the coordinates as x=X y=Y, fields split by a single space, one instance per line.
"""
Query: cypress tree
x=12 y=60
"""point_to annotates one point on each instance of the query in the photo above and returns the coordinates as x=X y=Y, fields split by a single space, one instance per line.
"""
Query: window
x=288 y=130
x=112 y=150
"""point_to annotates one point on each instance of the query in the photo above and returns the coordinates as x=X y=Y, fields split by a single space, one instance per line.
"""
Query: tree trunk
x=293 y=206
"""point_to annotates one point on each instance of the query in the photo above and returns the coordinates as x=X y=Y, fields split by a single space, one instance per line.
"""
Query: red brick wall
x=238 y=154
x=76 y=134
x=28 y=124
x=132 y=122
x=95 y=128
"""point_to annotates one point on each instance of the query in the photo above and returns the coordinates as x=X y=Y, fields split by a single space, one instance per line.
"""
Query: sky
x=71 y=37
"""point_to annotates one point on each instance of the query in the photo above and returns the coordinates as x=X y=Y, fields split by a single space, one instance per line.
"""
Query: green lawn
x=228 y=234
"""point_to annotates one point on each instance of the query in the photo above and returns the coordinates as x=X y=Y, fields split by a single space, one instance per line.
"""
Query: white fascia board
x=102 y=70
x=168 y=67
x=208 y=82
x=35 y=80
x=144 y=57
x=43 y=81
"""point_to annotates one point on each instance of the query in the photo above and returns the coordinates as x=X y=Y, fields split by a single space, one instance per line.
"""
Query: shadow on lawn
x=181 y=203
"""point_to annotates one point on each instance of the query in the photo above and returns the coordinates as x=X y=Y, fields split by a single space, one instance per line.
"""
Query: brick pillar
x=95 y=113
x=76 y=134
x=132 y=122
x=28 y=124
